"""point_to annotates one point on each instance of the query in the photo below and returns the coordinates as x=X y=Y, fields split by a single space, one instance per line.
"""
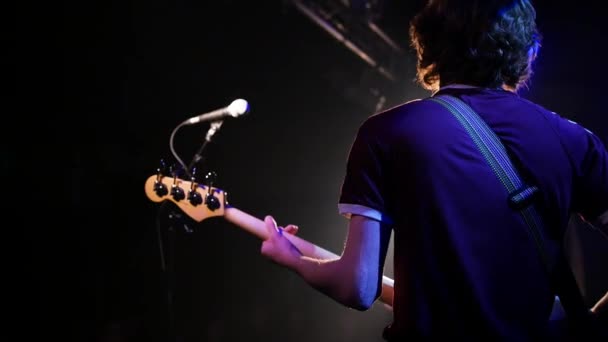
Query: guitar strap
x=521 y=197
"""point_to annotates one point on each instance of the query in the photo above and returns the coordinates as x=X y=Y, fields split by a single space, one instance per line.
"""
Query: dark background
x=131 y=71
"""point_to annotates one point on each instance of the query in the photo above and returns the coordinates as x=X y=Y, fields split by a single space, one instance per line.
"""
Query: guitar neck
x=257 y=227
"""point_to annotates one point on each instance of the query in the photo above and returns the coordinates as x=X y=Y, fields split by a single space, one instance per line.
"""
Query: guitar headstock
x=196 y=200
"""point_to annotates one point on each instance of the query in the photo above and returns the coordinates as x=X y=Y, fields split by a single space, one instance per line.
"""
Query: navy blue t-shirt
x=464 y=263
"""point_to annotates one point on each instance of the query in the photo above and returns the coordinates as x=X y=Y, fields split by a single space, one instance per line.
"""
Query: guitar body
x=583 y=283
x=587 y=252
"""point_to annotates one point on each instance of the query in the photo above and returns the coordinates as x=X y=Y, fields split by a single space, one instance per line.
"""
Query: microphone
x=238 y=107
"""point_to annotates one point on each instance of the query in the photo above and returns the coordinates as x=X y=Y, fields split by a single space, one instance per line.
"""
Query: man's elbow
x=362 y=305
x=363 y=297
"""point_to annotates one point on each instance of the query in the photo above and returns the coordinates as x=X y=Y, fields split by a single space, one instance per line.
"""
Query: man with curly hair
x=464 y=264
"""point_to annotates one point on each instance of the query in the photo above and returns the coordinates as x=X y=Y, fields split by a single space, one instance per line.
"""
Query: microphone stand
x=168 y=264
x=213 y=128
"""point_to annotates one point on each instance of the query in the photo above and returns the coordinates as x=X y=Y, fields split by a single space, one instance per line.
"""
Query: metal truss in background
x=353 y=24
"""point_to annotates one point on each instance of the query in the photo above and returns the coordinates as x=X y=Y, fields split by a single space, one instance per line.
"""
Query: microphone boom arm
x=213 y=128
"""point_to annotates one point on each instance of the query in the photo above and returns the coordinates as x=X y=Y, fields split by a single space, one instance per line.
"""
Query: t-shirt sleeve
x=590 y=159
x=364 y=187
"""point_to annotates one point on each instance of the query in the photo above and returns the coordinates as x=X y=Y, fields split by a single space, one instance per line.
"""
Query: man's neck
x=468 y=86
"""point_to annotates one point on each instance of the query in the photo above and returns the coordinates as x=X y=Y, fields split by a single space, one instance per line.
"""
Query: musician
x=465 y=265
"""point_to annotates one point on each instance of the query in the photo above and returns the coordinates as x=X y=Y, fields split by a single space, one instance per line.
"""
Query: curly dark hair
x=486 y=43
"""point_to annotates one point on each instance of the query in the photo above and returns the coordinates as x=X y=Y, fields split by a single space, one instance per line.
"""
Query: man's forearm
x=601 y=305
x=334 y=280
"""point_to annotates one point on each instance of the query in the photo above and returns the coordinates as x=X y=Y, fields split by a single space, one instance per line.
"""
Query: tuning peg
x=177 y=192
x=193 y=174
x=211 y=201
x=161 y=170
x=159 y=187
x=193 y=196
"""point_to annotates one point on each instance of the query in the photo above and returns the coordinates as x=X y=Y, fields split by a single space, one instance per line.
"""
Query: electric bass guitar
x=200 y=202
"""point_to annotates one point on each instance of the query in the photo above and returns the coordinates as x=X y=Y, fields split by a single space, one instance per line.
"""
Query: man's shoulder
x=404 y=111
x=405 y=108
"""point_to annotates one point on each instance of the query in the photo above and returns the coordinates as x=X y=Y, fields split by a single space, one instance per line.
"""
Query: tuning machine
x=176 y=191
x=159 y=188
x=211 y=201
x=194 y=197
